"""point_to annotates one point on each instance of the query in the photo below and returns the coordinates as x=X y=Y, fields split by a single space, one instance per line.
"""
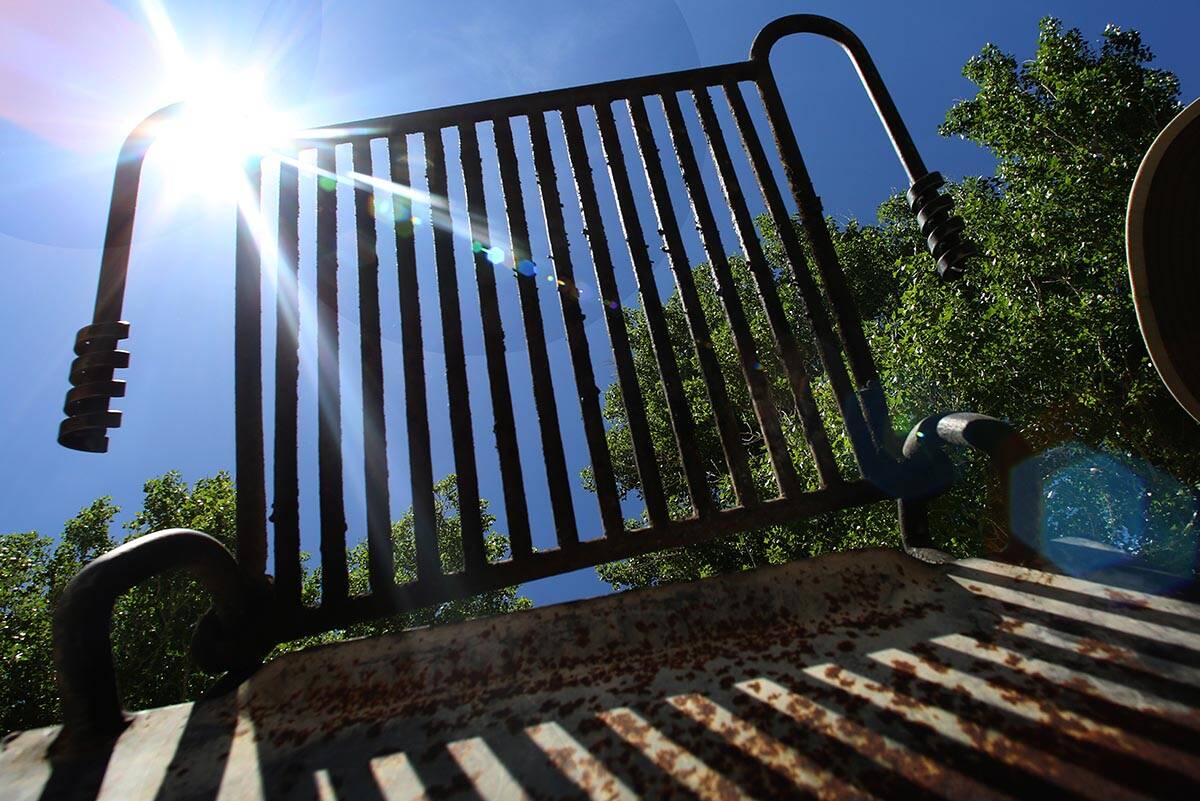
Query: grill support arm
x=1017 y=491
x=940 y=226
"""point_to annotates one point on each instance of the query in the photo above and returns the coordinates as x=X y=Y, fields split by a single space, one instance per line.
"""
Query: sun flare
x=224 y=120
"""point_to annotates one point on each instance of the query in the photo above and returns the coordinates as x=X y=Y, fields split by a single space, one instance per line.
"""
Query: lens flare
x=1119 y=505
x=223 y=122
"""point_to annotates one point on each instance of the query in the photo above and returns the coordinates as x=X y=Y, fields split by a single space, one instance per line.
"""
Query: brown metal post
x=526 y=274
x=285 y=508
x=515 y=506
x=380 y=563
x=335 y=579
x=247 y=384
x=416 y=408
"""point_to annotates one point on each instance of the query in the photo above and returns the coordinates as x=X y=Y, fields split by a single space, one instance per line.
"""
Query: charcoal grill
x=253 y=612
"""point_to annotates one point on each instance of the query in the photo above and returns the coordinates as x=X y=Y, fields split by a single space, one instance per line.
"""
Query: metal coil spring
x=93 y=386
x=941 y=228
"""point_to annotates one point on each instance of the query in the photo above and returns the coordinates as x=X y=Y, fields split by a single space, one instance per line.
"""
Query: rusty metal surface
x=855 y=675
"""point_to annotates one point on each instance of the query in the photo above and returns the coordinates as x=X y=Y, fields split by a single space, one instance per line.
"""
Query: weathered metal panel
x=858 y=675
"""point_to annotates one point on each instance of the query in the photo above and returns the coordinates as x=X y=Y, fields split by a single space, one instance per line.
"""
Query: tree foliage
x=152 y=624
x=1041 y=330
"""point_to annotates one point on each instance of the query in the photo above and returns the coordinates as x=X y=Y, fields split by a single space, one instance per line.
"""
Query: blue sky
x=75 y=75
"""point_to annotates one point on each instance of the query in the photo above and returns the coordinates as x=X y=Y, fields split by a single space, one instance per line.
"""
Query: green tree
x=26 y=677
x=152 y=624
x=33 y=572
x=1040 y=331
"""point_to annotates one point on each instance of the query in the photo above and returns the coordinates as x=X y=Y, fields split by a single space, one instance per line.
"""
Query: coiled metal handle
x=93 y=387
x=941 y=228
x=96 y=354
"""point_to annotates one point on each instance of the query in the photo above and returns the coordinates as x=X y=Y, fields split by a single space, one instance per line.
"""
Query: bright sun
x=224 y=120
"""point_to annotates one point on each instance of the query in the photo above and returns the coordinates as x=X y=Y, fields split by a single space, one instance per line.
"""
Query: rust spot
x=1126 y=599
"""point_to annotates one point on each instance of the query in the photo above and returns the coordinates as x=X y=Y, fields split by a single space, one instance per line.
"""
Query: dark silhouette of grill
x=912 y=473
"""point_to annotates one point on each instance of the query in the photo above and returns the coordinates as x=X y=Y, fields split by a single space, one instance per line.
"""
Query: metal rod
x=334 y=576
x=714 y=381
x=581 y=361
x=380 y=564
x=827 y=344
x=682 y=424
x=535 y=102
x=515 y=505
x=535 y=336
x=88 y=416
x=764 y=280
x=416 y=409
x=710 y=237
x=428 y=561
x=845 y=311
x=118 y=235
x=940 y=227
x=247 y=386
x=760 y=51
x=285 y=508
x=614 y=316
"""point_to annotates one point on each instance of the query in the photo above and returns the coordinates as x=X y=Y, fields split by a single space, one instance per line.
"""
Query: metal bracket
x=232 y=637
x=88 y=416
x=941 y=228
x=1018 y=490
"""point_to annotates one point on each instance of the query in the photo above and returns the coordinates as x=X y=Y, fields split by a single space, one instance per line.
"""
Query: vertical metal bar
x=682 y=423
x=516 y=508
x=535 y=335
x=714 y=381
x=334 y=576
x=247 y=385
x=614 y=316
x=420 y=462
x=831 y=355
x=581 y=361
x=710 y=237
x=764 y=280
x=428 y=562
x=380 y=563
x=812 y=216
x=285 y=511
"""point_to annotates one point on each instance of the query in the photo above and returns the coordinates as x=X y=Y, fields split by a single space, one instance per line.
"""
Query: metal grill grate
x=632 y=103
x=475 y=147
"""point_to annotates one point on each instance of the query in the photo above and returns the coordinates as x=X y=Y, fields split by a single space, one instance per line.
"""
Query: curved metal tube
x=1018 y=488
x=941 y=228
x=91 y=704
x=97 y=357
